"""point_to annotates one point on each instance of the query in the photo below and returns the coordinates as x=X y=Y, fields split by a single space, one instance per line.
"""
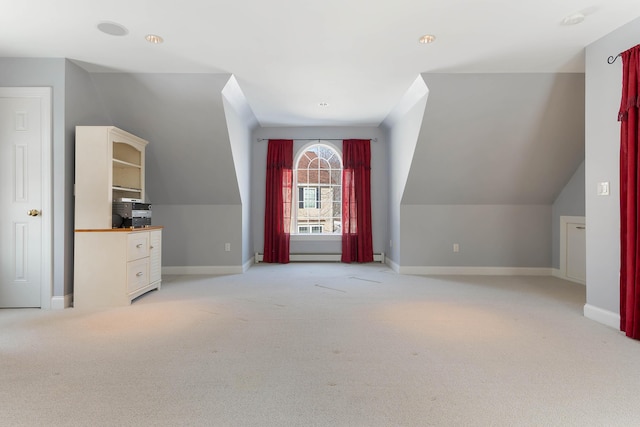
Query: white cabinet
x=109 y=165
x=111 y=266
x=116 y=265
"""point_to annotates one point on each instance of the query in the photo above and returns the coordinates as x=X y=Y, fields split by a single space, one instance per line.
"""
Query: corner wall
x=402 y=128
x=603 y=91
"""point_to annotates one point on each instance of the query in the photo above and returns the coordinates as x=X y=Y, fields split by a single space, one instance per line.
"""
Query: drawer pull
x=139 y=245
x=139 y=274
x=150 y=247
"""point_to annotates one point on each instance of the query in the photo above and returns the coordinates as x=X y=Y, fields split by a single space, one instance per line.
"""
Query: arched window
x=318 y=174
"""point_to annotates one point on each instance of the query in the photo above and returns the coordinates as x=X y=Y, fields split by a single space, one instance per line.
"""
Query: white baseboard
x=258 y=257
x=203 y=270
x=476 y=271
x=60 y=303
x=556 y=272
x=392 y=265
x=600 y=315
x=247 y=265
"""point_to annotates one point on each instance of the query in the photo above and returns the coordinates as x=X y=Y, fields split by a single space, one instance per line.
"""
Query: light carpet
x=322 y=344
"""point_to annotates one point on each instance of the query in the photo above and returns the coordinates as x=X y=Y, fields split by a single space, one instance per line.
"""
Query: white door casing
x=25 y=197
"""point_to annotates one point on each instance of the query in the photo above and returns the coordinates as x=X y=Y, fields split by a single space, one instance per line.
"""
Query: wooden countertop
x=120 y=230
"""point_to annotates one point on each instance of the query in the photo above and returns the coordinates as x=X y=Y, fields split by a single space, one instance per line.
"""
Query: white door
x=23 y=262
x=576 y=252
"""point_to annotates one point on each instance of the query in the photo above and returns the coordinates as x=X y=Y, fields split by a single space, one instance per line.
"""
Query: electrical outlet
x=456 y=247
x=227 y=247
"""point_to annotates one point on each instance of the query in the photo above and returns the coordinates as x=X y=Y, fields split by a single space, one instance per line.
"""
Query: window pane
x=337 y=209
x=336 y=177
x=334 y=161
x=337 y=194
x=325 y=152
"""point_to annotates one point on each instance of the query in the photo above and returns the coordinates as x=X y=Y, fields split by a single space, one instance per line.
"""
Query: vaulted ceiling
x=289 y=57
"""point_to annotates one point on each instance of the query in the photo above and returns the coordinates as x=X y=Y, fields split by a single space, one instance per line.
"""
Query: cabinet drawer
x=137 y=274
x=137 y=246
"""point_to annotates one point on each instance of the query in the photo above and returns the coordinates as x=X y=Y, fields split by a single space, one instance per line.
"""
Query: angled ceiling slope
x=189 y=158
x=497 y=139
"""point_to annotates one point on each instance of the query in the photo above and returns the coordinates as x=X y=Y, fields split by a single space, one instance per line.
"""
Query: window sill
x=316 y=237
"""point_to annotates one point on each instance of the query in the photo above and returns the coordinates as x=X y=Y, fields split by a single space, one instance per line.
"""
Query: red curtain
x=629 y=202
x=357 y=243
x=277 y=212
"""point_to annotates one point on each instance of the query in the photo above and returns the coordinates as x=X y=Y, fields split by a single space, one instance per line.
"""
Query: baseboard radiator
x=318 y=257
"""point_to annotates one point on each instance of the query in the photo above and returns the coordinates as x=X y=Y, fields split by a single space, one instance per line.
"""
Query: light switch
x=603 y=188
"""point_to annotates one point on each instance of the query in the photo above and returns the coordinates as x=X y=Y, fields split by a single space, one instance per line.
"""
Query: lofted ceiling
x=359 y=57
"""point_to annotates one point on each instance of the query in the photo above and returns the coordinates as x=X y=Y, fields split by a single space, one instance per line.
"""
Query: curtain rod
x=612 y=59
x=317 y=139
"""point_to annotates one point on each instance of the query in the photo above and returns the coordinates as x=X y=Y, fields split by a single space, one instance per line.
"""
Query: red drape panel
x=629 y=201
x=357 y=243
x=277 y=212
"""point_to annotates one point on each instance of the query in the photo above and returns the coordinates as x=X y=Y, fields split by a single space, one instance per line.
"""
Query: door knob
x=33 y=212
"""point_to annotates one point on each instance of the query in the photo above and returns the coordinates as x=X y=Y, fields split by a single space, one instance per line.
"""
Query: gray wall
x=488 y=235
x=189 y=159
x=493 y=152
x=402 y=128
x=379 y=182
x=603 y=90
x=570 y=202
x=195 y=235
x=240 y=122
x=18 y=72
x=497 y=139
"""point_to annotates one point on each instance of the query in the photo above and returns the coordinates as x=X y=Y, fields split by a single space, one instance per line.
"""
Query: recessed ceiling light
x=427 y=38
x=113 y=29
x=153 y=38
x=573 y=19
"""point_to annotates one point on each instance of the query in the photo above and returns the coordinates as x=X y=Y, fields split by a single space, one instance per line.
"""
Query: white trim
x=476 y=271
x=564 y=222
x=392 y=265
x=247 y=265
x=556 y=272
x=60 y=303
x=294 y=184
x=46 y=269
x=258 y=258
x=600 y=315
x=216 y=270
x=316 y=237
